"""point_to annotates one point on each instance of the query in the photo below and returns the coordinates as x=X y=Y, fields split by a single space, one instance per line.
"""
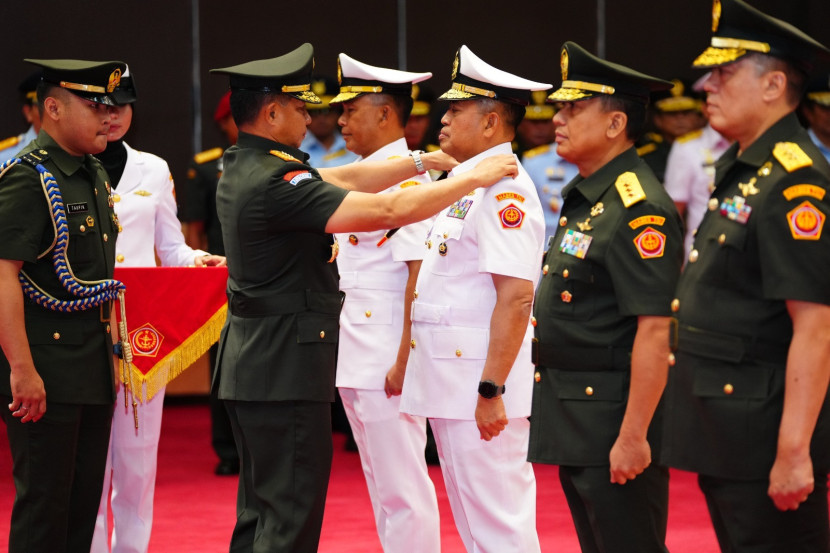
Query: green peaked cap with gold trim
x=287 y=74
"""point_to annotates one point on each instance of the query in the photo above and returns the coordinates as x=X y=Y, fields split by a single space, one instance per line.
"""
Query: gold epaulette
x=284 y=156
x=791 y=156
x=533 y=152
x=654 y=137
x=208 y=155
x=9 y=142
x=629 y=188
x=689 y=136
x=646 y=149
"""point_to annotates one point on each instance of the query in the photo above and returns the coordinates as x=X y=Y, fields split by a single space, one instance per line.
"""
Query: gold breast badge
x=749 y=188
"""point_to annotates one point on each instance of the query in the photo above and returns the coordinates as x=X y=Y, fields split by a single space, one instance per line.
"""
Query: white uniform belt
x=449 y=315
x=350 y=280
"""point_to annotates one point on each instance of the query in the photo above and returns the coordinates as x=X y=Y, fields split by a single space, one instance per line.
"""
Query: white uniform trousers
x=391 y=446
x=490 y=485
x=131 y=470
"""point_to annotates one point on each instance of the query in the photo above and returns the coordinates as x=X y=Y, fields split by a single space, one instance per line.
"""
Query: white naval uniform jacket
x=146 y=210
x=497 y=230
x=374 y=279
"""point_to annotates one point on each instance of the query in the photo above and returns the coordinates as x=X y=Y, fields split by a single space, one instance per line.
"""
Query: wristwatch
x=488 y=389
x=419 y=165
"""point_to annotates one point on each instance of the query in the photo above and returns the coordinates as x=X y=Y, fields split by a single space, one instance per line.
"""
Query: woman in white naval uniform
x=378 y=277
x=146 y=209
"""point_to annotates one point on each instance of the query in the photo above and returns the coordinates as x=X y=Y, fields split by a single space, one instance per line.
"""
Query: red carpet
x=194 y=510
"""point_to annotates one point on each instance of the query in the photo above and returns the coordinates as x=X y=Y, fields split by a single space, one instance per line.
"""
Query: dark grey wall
x=154 y=37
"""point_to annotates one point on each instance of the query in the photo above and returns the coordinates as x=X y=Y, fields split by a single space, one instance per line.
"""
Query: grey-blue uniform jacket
x=72 y=352
x=607 y=264
x=760 y=243
x=280 y=339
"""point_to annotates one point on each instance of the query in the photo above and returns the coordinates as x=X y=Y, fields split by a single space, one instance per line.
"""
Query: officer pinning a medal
x=469 y=367
x=746 y=402
x=601 y=312
x=275 y=367
x=56 y=331
x=378 y=272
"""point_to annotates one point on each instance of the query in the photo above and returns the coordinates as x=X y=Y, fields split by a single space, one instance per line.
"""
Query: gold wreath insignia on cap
x=339 y=72
x=715 y=15
x=455 y=67
x=114 y=80
x=563 y=63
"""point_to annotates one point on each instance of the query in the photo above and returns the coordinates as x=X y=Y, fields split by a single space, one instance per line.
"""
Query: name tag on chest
x=82 y=207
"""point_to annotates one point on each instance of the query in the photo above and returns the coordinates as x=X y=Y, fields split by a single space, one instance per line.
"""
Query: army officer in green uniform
x=746 y=402
x=277 y=351
x=602 y=312
x=56 y=370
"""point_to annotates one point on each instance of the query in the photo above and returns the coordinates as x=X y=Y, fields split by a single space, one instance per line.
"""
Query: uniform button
x=589 y=391
x=56 y=336
x=368 y=313
x=713 y=204
x=563 y=221
x=322 y=334
x=412 y=344
x=115 y=198
x=119 y=258
x=108 y=329
x=566 y=273
x=566 y=296
x=106 y=238
x=537 y=377
x=353 y=240
x=675 y=305
x=693 y=255
x=545 y=269
x=458 y=353
x=83 y=228
x=446 y=235
x=533 y=321
x=671 y=360
x=728 y=389
x=415 y=293
x=429 y=244
x=721 y=239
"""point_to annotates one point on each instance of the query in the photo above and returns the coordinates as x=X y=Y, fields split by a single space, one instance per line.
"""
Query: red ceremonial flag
x=174 y=315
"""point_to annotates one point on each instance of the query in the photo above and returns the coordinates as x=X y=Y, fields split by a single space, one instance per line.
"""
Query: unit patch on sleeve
x=650 y=243
x=806 y=222
x=511 y=217
x=509 y=196
x=647 y=220
x=295 y=177
x=811 y=190
x=791 y=156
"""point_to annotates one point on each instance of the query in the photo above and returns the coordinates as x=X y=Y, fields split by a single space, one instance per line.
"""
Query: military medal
x=442 y=248
x=597 y=209
x=575 y=243
x=459 y=209
x=735 y=209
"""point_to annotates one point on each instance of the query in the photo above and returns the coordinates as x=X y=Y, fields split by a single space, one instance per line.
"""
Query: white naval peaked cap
x=472 y=77
x=357 y=78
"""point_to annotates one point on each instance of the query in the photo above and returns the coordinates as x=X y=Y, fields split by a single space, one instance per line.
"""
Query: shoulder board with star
x=9 y=142
x=689 y=136
x=208 y=155
x=538 y=150
x=791 y=156
x=284 y=156
x=630 y=189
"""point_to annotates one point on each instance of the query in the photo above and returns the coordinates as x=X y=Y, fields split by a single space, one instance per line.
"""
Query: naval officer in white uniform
x=470 y=367
x=378 y=272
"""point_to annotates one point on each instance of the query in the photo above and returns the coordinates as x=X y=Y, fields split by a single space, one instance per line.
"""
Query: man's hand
x=210 y=261
x=490 y=417
x=791 y=480
x=28 y=394
x=629 y=457
x=394 y=380
x=491 y=170
x=438 y=161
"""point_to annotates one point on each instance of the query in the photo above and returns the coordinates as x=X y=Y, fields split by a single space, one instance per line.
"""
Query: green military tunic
x=280 y=339
x=71 y=351
x=606 y=265
x=760 y=244
x=200 y=196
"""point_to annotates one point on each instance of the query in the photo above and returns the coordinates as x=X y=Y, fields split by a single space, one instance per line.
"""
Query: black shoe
x=227 y=468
